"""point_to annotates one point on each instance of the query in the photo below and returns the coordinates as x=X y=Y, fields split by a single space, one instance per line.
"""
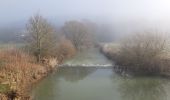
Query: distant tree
x=77 y=33
x=65 y=49
x=41 y=36
x=93 y=33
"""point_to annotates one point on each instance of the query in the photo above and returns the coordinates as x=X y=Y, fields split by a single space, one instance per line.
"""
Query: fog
x=117 y=17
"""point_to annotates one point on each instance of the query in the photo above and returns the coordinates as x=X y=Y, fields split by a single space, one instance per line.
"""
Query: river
x=93 y=83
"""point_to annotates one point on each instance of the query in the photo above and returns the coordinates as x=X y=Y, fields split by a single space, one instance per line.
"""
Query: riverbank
x=113 y=52
x=19 y=71
x=110 y=50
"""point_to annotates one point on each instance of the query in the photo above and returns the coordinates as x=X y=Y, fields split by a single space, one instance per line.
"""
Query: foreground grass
x=18 y=71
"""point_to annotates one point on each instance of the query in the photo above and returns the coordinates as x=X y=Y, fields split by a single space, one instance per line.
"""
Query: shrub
x=65 y=49
x=142 y=52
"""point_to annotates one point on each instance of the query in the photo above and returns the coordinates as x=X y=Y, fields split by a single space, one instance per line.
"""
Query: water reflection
x=75 y=74
x=100 y=84
x=142 y=89
x=49 y=87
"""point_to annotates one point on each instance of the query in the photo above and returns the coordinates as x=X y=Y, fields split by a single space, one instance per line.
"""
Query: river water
x=92 y=83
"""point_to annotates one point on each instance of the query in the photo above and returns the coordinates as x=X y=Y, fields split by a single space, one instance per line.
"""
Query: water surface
x=100 y=84
x=91 y=56
x=94 y=83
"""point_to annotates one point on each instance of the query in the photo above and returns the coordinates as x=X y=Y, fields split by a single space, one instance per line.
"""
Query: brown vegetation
x=19 y=70
x=143 y=52
x=65 y=49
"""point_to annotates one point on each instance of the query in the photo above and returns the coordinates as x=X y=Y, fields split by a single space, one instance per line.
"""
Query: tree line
x=44 y=40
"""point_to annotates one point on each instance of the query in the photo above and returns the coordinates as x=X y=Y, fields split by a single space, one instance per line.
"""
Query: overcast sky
x=18 y=10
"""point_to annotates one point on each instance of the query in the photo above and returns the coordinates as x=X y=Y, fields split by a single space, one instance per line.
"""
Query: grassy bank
x=141 y=53
x=19 y=68
x=18 y=71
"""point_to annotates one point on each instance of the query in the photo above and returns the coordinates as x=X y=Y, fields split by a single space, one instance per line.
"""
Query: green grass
x=2 y=63
x=9 y=45
x=4 y=88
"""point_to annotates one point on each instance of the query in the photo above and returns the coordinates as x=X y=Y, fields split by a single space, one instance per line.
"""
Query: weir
x=88 y=65
x=88 y=58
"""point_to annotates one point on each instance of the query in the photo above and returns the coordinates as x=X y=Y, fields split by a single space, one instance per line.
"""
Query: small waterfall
x=86 y=65
x=89 y=58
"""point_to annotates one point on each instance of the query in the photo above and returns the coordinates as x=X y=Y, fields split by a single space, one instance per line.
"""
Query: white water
x=88 y=58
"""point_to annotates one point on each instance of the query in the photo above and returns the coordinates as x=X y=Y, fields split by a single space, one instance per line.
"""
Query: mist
x=122 y=44
x=116 y=17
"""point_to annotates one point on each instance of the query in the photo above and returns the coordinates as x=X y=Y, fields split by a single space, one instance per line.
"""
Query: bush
x=65 y=49
x=142 y=52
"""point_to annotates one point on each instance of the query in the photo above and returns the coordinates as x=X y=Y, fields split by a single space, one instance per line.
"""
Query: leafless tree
x=41 y=35
x=78 y=33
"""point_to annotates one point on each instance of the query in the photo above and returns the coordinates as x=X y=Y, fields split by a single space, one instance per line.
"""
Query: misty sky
x=18 y=10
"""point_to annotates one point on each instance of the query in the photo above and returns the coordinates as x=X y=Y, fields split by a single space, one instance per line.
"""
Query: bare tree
x=78 y=33
x=41 y=35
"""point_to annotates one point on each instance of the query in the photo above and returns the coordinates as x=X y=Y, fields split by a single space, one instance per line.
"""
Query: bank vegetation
x=144 y=53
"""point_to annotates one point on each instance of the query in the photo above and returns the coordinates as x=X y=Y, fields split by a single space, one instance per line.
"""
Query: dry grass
x=18 y=69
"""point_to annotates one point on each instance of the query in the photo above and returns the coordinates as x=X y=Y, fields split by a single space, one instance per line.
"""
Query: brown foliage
x=65 y=49
x=142 y=52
